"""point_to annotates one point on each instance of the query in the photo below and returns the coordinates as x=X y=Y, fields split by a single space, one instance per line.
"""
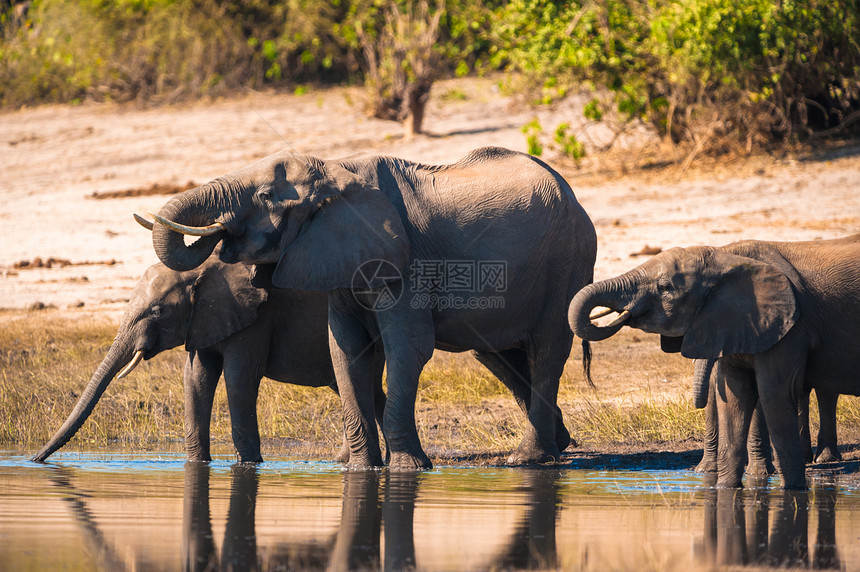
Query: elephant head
x=316 y=220
x=167 y=309
x=704 y=302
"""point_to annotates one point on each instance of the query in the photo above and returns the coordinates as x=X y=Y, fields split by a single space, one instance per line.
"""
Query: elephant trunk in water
x=120 y=354
x=600 y=294
x=190 y=209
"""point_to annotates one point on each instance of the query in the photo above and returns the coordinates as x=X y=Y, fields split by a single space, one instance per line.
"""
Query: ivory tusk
x=208 y=230
x=143 y=221
x=600 y=313
x=131 y=365
x=622 y=317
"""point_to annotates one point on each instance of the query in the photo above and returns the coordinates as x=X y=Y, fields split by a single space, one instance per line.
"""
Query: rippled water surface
x=115 y=512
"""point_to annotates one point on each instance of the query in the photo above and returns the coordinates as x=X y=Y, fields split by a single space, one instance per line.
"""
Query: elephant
x=781 y=317
x=759 y=454
x=227 y=325
x=483 y=254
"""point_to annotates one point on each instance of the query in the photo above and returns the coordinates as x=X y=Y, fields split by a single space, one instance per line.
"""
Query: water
x=116 y=512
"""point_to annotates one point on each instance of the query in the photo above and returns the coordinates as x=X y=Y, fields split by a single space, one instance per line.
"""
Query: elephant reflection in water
x=355 y=546
x=376 y=506
x=739 y=529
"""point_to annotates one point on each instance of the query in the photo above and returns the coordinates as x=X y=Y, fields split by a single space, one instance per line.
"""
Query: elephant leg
x=406 y=353
x=780 y=382
x=803 y=427
x=736 y=400
x=379 y=397
x=708 y=464
x=342 y=455
x=760 y=457
x=352 y=354
x=200 y=379
x=827 y=449
x=378 y=405
x=243 y=386
x=511 y=367
x=547 y=355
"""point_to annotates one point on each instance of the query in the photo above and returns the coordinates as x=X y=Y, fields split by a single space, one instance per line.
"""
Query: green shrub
x=165 y=50
x=750 y=73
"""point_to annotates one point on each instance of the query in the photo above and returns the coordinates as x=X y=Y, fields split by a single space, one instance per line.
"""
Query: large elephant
x=483 y=254
x=227 y=325
x=782 y=317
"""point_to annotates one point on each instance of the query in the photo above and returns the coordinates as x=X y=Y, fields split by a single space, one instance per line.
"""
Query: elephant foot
x=407 y=461
x=255 y=457
x=197 y=454
x=760 y=469
x=342 y=455
x=534 y=455
x=828 y=455
x=364 y=460
x=706 y=465
x=728 y=484
x=794 y=484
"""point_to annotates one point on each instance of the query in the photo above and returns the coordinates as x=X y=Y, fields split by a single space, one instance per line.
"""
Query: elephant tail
x=586 y=362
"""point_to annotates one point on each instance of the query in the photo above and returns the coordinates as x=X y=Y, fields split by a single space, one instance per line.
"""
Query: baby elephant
x=759 y=457
x=782 y=317
x=227 y=325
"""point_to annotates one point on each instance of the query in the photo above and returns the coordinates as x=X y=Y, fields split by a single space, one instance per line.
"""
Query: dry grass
x=46 y=358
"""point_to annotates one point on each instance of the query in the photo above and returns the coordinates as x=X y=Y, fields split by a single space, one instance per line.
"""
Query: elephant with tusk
x=228 y=326
x=483 y=254
x=781 y=318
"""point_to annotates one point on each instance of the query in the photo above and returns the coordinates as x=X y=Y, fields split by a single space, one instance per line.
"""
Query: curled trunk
x=603 y=293
x=118 y=356
x=191 y=209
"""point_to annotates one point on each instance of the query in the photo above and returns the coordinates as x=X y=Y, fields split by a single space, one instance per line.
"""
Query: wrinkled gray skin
x=759 y=452
x=227 y=325
x=319 y=221
x=783 y=317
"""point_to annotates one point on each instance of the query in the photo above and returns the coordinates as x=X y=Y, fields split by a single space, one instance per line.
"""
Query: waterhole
x=118 y=512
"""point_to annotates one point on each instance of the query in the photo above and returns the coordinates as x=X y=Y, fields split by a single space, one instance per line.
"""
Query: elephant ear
x=750 y=307
x=223 y=301
x=356 y=224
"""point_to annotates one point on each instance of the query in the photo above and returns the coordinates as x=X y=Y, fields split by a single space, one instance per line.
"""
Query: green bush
x=165 y=50
x=733 y=73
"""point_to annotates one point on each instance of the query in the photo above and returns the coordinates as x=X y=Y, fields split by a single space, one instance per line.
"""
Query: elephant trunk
x=701 y=380
x=192 y=208
x=118 y=356
x=605 y=293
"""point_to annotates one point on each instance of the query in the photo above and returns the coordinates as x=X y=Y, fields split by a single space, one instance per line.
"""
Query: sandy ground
x=54 y=158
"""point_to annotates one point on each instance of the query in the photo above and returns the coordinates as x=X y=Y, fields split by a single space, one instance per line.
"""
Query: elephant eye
x=264 y=196
x=156 y=311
